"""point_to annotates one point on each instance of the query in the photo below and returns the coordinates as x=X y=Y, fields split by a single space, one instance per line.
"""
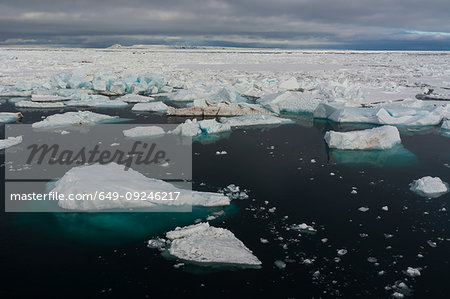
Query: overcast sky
x=339 y=24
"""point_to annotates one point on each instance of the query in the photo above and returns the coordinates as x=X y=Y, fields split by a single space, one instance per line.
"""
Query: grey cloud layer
x=263 y=22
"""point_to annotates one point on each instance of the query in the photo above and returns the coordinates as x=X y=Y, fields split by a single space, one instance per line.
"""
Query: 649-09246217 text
x=98 y=195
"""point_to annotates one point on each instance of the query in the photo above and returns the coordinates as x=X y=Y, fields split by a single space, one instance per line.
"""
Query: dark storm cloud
x=287 y=23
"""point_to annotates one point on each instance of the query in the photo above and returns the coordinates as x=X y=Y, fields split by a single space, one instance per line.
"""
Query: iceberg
x=72 y=119
x=135 y=98
x=205 y=108
x=380 y=138
x=144 y=131
x=446 y=125
x=205 y=244
x=10 y=141
x=194 y=128
x=428 y=186
x=44 y=105
x=254 y=120
x=96 y=101
x=97 y=178
x=151 y=107
x=289 y=102
x=8 y=117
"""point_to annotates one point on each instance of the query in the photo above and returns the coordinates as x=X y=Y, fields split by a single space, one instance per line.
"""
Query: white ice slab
x=47 y=98
x=151 y=107
x=380 y=138
x=254 y=120
x=428 y=186
x=446 y=125
x=206 y=108
x=8 y=117
x=144 y=131
x=72 y=119
x=112 y=177
x=194 y=128
x=135 y=98
x=30 y=104
x=10 y=141
x=202 y=243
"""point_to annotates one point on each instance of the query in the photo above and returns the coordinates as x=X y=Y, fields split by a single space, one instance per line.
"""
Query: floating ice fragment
x=135 y=98
x=363 y=209
x=144 y=131
x=289 y=102
x=342 y=252
x=221 y=153
x=304 y=228
x=385 y=208
x=72 y=118
x=428 y=186
x=380 y=138
x=96 y=178
x=153 y=107
x=196 y=128
x=202 y=243
x=280 y=264
x=10 y=141
x=204 y=108
x=254 y=120
x=412 y=272
x=40 y=105
x=8 y=117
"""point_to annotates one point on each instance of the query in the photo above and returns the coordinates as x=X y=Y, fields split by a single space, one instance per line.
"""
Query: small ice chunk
x=263 y=241
x=72 y=118
x=144 y=131
x=385 y=208
x=157 y=243
x=8 y=117
x=280 y=264
x=412 y=272
x=221 y=153
x=305 y=228
x=203 y=243
x=194 y=128
x=151 y=107
x=380 y=138
x=289 y=102
x=342 y=252
x=363 y=209
x=428 y=186
x=10 y=141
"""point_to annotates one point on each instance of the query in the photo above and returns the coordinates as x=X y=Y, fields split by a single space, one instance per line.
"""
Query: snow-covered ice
x=205 y=244
x=144 y=131
x=47 y=98
x=96 y=178
x=254 y=120
x=72 y=119
x=290 y=102
x=151 y=107
x=205 y=108
x=194 y=128
x=428 y=186
x=135 y=98
x=379 y=138
x=40 y=105
x=10 y=141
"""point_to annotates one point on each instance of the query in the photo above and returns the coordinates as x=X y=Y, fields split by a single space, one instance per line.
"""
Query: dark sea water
x=106 y=255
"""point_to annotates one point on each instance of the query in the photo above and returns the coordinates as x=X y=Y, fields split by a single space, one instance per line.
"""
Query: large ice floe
x=431 y=187
x=135 y=98
x=204 y=244
x=144 y=131
x=96 y=178
x=150 y=107
x=407 y=113
x=380 y=138
x=290 y=102
x=72 y=119
x=40 y=105
x=254 y=120
x=48 y=98
x=9 y=117
x=10 y=141
x=224 y=108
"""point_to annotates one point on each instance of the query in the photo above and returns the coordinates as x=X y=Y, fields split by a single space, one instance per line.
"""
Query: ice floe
x=290 y=102
x=380 y=138
x=39 y=105
x=10 y=141
x=405 y=114
x=428 y=186
x=72 y=119
x=135 y=98
x=254 y=120
x=290 y=84
x=92 y=179
x=9 y=117
x=47 y=98
x=144 y=131
x=151 y=107
x=205 y=244
x=194 y=128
